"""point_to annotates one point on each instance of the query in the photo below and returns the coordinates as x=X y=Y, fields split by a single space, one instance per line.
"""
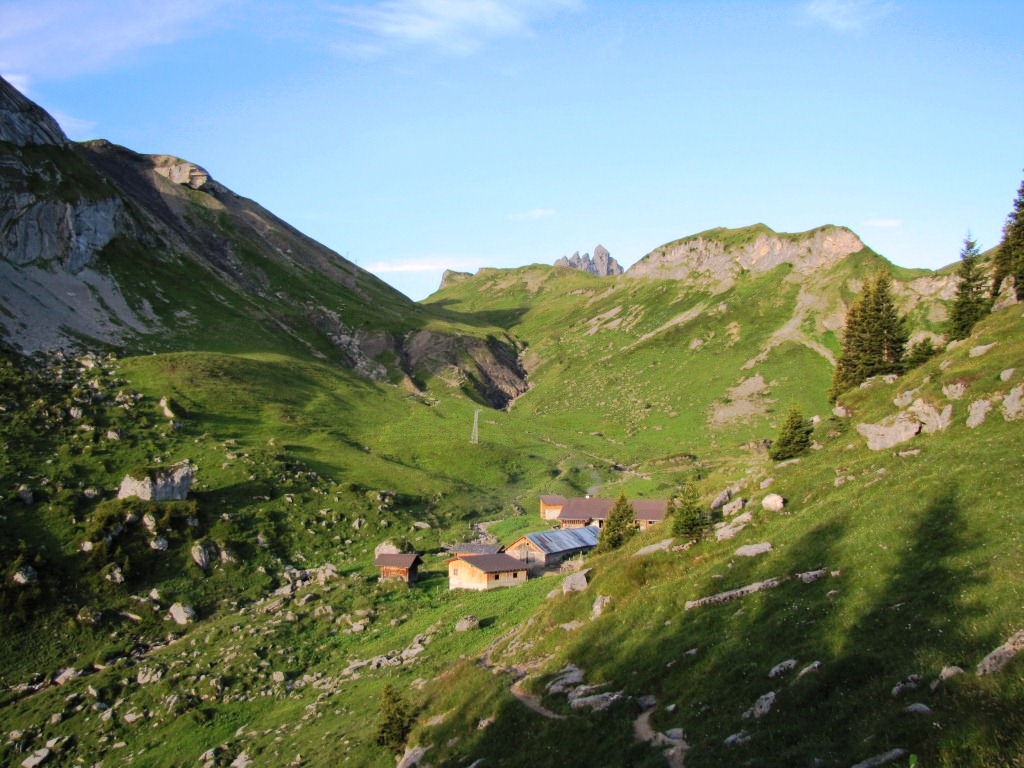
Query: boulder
x=753 y=550
x=761 y=707
x=931 y=419
x=182 y=614
x=977 y=411
x=1007 y=374
x=602 y=602
x=810 y=669
x=773 y=502
x=661 y=546
x=890 y=431
x=882 y=759
x=467 y=623
x=37 y=758
x=160 y=484
x=203 y=553
x=147 y=675
x=737 y=739
x=575 y=582
x=734 y=506
x=25 y=495
x=782 y=667
x=907 y=684
x=721 y=499
x=1013 y=403
x=159 y=544
x=980 y=350
x=954 y=390
x=25 y=575
x=917 y=708
x=1001 y=656
x=569 y=677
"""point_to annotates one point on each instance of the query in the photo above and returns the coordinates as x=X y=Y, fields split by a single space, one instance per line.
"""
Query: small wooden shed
x=401 y=567
x=547 y=549
x=482 y=572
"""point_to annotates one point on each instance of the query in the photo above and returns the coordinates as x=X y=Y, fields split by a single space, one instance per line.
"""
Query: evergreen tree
x=688 y=519
x=1010 y=258
x=971 y=303
x=395 y=719
x=874 y=339
x=619 y=527
x=921 y=353
x=794 y=436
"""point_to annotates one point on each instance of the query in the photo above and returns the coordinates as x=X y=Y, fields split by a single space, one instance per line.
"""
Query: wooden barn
x=547 y=549
x=591 y=511
x=485 y=572
x=400 y=567
x=550 y=506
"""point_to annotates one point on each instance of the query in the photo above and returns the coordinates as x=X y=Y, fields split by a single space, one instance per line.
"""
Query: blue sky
x=414 y=136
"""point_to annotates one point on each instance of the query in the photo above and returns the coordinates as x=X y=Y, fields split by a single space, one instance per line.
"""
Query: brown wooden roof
x=500 y=563
x=397 y=561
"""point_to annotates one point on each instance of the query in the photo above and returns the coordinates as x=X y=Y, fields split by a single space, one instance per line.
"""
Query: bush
x=794 y=436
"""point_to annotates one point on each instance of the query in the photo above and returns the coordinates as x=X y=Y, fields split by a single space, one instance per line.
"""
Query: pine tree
x=395 y=719
x=874 y=339
x=971 y=303
x=688 y=519
x=921 y=353
x=619 y=527
x=1010 y=258
x=794 y=436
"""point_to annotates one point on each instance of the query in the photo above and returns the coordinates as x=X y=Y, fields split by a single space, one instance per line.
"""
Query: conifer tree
x=794 y=436
x=688 y=519
x=1010 y=258
x=971 y=303
x=874 y=339
x=395 y=719
x=619 y=527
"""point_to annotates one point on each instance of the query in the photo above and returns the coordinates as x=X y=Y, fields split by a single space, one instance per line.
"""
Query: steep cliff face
x=717 y=256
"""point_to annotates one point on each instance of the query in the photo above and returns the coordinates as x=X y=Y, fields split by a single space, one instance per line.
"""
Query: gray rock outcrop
x=773 y=502
x=203 y=553
x=161 y=484
x=601 y=264
x=1002 y=655
x=182 y=614
x=890 y=432
x=575 y=582
x=23 y=123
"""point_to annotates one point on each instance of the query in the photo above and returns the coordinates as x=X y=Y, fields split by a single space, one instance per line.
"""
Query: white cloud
x=847 y=15
x=536 y=213
x=59 y=38
x=884 y=223
x=452 y=26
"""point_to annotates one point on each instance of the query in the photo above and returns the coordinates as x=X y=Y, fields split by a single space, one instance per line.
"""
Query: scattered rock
x=467 y=623
x=903 y=399
x=931 y=419
x=568 y=678
x=761 y=707
x=602 y=602
x=204 y=553
x=575 y=582
x=766 y=482
x=752 y=550
x=159 y=544
x=1001 y=656
x=737 y=739
x=840 y=412
x=810 y=669
x=1007 y=374
x=890 y=432
x=420 y=525
x=721 y=499
x=37 y=758
x=917 y=708
x=954 y=390
x=773 y=502
x=412 y=757
x=161 y=484
x=977 y=411
x=69 y=673
x=25 y=575
x=25 y=495
x=908 y=684
x=661 y=546
x=944 y=675
x=732 y=594
x=886 y=757
x=782 y=667
x=1013 y=403
x=980 y=350
x=596 y=702
x=734 y=506
x=358 y=523
x=182 y=614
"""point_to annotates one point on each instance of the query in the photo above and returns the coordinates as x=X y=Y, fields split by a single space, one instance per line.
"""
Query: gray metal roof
x=552 y=542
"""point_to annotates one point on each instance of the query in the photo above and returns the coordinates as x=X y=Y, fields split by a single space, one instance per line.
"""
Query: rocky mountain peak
x=717 y=256
x=601 y=264
x=24 y=123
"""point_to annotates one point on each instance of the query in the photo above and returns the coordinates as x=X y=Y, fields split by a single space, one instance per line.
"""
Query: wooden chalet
x=398 y=567
x=547 y=549
x=591 y=511
x=482 y=572
x=550 y=506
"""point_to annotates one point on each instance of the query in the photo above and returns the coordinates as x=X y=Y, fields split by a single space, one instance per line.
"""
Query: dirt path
x=532 y=702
